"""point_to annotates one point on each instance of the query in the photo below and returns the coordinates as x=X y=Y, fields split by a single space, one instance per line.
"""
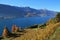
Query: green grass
x=56 y=35
x=5 y=39
x=8 y=38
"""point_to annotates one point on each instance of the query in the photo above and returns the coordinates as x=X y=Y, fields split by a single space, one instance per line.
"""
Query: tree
x=5 y=32
x=58 y=17
x=15 y=28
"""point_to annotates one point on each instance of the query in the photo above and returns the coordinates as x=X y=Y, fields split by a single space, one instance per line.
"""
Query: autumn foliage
x=40 y=34
x=15 y=28
x=5 y=32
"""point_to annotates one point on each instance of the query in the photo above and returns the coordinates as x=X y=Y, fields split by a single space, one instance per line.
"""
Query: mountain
x=13 y=11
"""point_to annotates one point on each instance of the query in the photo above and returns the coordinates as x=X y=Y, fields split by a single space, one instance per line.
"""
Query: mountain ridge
x=7 y=10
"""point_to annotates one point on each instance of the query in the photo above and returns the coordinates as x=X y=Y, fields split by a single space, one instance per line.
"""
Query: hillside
x=39 y=34
x=56 y=35
x=51 y=28
x=13 y=11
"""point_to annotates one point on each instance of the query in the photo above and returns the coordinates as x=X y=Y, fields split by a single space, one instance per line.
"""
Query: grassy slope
x=56 y=35
x=38 y=34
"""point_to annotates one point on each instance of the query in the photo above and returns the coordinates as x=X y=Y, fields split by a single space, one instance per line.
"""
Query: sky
x=37 y=4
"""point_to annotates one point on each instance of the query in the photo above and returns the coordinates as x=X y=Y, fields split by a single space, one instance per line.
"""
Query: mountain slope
x=13 y=11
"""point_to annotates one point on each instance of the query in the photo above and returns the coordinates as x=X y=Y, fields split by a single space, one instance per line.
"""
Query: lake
x=22 y=22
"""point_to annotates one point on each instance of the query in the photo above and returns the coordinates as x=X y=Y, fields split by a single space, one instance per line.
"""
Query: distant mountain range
x=8 y=11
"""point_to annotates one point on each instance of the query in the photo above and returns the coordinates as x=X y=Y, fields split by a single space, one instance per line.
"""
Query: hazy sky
x=37 y=4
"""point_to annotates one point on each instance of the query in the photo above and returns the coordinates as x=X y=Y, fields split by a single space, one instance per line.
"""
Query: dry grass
x=56 y=35
x=40 y=34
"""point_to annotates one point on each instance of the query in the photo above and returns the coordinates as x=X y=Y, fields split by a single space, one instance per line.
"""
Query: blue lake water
x=22 y=22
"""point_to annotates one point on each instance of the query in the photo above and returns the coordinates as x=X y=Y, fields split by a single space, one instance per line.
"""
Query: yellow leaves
x=5 y=32
x=15 y=28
